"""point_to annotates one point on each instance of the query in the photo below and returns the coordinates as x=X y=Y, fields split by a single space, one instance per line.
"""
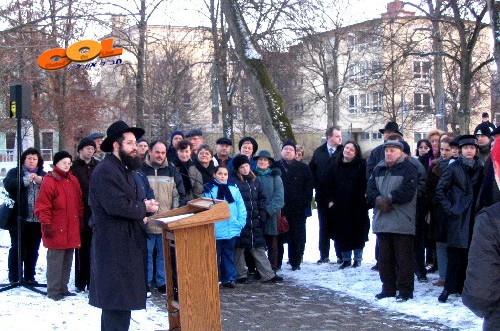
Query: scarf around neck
x=223 y=192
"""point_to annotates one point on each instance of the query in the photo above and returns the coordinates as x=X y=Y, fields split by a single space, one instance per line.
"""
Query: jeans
x=442 y=259
x=358 y=255
x=225 y=260
x=156 y=240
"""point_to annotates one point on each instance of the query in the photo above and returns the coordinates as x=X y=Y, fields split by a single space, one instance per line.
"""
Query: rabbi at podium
x=119 y=251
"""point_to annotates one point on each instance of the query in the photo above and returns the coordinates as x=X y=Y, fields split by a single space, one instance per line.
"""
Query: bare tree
x=275 y=123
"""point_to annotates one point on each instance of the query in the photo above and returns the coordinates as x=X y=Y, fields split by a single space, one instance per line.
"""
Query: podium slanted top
x=197 y=212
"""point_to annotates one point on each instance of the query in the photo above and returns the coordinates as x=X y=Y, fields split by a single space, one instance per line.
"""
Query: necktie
x=330 y=150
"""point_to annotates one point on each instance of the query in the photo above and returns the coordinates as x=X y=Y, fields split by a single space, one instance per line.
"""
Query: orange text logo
x=81 y=51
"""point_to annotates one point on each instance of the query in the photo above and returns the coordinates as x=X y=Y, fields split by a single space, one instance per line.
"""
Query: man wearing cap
x=222 y=151
x=378 y=153
x=82 y=168
x=98 y=138
x=195 y=136
x=483 y=134
x=175 y=138
x=456 y=194
x=298 y=186
x=323 y=158
x=118 y=251
x=392 y=192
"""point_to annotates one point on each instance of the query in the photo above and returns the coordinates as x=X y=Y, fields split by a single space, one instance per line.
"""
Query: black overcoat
x=348 y=217
x=119 y=250
x=456 y=193
x=298 y=185
x=252 y=192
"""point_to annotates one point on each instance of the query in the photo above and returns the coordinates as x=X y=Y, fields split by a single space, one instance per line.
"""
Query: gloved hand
x=48 y=231
x=384 y=204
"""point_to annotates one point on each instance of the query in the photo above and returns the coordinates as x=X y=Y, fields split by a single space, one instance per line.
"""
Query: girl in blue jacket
x=227 y=231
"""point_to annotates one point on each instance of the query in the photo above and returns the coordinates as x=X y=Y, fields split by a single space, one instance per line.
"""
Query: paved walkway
x=287 y=306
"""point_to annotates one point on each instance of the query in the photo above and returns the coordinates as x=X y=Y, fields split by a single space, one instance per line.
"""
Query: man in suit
x=322 y=159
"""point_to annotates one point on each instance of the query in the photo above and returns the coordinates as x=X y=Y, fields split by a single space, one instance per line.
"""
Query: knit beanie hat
x=289 y=143
x=61 y=155
x=239 y=160
x=86 y=142
x=176 y=133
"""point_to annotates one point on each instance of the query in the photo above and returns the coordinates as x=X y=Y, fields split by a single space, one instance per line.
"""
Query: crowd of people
x=97 y=205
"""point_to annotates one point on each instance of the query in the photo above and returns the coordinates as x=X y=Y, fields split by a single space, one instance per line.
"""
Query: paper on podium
x=173 y=218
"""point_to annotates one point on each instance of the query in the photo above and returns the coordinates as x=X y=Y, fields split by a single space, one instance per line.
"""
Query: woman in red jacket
x=59 y=208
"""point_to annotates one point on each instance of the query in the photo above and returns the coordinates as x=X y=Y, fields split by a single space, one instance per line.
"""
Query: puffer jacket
x=232 y=227
x=456 y=193
x=275 y=197
x=59 y=205
x=167 y=186
x=481 y=293
x=400 y=183
x=251 y=189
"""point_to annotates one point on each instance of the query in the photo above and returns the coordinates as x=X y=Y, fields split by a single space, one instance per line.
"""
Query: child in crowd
x=227 y=231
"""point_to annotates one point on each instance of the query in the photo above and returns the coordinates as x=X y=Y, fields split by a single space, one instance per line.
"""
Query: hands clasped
x=384 y=204
x=151 y=205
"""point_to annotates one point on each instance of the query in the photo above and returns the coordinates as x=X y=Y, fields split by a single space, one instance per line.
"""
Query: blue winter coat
x=275 y=198
x=232 y=227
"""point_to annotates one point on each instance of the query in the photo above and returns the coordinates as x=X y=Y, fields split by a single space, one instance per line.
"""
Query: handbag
x=6 y=209
x=283 y=225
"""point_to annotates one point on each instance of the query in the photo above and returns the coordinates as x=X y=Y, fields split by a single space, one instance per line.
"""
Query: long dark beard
x=133 y=163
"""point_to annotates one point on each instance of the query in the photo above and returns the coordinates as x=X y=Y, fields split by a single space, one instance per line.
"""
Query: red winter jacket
x=59 y=208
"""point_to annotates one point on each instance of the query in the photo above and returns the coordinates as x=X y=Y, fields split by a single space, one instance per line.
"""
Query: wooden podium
x=191 y=271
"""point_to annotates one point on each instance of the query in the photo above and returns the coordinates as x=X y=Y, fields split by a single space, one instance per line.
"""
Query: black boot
x=345 y=264
x=443 y=296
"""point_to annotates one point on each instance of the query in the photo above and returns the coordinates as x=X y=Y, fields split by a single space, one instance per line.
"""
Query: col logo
x=74 y=53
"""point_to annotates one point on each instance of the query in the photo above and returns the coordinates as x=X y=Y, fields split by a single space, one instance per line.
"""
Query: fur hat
x=59 y=156
x=239 y=160
x=252 y=141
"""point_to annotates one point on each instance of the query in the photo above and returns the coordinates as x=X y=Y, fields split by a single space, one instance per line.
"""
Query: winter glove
x=47 y=230
x=384 y=204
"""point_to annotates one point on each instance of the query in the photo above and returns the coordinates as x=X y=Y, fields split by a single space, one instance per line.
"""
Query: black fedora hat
x=391 y=126
x=467 y=139
x=115 y=131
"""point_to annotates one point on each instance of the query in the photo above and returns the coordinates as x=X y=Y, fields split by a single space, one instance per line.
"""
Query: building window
x=421 y=69
x=376 y=69
x=376 y=136
x=421 y=101
x=377 y=102
x=365 y=136
x=353 y=104
x=418 y=136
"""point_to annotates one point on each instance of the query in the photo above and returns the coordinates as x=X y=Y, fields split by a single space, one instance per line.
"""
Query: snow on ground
x=362 y=283
x=22 y=309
